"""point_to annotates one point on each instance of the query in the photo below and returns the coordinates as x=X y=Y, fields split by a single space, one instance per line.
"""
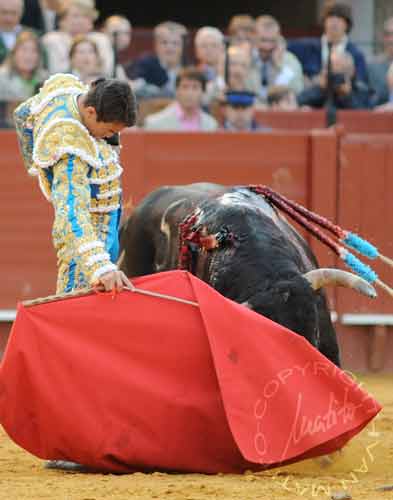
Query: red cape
x=140 y=383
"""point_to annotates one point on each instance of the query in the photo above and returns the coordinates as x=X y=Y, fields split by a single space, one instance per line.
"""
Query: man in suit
x=185 y=114
x=10 y=15
x=274 y=64
x=313 y=52
x=161 y=68
x=209 y=51
x=40 y=15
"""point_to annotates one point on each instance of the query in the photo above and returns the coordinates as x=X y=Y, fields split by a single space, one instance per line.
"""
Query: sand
x=365 y=464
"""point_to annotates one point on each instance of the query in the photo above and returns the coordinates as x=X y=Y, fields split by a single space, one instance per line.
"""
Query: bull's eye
x=285 y=296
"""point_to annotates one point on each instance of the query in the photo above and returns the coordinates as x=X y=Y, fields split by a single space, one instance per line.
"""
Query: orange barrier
x=292 y=120
x=156 y=158
x=359 y=121
x=362 y=121
x=343 y=177
x=28 y=264
x=366 y=205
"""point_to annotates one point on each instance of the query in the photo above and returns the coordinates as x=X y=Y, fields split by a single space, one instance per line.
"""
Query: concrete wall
x=383 y=10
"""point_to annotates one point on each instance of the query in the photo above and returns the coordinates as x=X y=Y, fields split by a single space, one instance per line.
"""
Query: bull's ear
x=285 y=296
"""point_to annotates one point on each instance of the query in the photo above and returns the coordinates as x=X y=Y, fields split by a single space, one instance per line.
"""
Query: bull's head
x=291 y=303
x=296 y=303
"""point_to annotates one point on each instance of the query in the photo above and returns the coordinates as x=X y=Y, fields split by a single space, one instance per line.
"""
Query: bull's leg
x=136 y=249
x=331 y=349
x=328 y=344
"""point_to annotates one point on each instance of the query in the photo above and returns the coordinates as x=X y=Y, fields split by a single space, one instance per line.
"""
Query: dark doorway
x=294 y=16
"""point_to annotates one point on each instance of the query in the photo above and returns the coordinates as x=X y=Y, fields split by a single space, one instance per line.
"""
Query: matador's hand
x=114 y=280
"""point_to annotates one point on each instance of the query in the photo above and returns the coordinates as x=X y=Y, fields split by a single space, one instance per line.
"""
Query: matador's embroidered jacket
x=79 y=174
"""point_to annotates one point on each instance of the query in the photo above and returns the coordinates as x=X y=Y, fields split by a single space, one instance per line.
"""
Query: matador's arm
x=71 y=200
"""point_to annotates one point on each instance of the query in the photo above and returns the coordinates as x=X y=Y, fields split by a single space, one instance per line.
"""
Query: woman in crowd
x=76 y=19
x=85 y=60
x=22 y=72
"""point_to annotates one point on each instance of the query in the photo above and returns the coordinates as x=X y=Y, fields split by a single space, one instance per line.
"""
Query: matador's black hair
x=113 y=100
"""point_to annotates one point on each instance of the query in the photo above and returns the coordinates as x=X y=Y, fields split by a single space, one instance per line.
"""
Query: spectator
x=22 y=72
x=240 y=76
x=378 y=68
x=185 y=114
x=241 y=30
x=10 y=17
x=239 y=112
x=281 y=98
x=84 y=59
x=119 y=28
x=348 y=93
x=313 y=53
x=40 y=15
x=161 y=68
x=209 y=51
x=77 y=19
x=275 y=65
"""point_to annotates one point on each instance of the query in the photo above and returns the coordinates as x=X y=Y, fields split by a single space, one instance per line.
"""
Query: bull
x=245 y=249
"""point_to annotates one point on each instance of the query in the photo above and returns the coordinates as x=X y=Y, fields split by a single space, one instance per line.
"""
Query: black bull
x=259 y=259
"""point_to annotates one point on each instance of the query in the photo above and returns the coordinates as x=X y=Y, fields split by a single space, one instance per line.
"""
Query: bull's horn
x=325 y=276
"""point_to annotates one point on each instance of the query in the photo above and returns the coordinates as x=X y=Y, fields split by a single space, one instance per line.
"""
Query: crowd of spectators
x=220 y=83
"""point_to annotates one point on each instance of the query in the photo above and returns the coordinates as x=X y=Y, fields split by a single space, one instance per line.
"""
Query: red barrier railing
x=346 y=178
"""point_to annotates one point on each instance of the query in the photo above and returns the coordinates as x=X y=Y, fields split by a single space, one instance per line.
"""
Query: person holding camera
x=339 y=85
x=313 y=53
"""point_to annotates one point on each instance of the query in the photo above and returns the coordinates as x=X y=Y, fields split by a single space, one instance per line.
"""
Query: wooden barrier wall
x=344 y=177
x=149 y=160
x=281 y=160
x=292 y=120
x=359 y=121
x=27 y=263
x=367 y=122
x=365 y=205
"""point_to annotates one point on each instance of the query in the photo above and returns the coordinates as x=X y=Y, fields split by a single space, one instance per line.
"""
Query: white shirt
x=9 y=37
x=340 y=47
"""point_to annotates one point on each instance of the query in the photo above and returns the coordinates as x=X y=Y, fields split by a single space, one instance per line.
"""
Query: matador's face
x=100 y=129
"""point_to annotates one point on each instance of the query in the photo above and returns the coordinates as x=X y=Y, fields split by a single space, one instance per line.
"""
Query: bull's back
x=148 y=241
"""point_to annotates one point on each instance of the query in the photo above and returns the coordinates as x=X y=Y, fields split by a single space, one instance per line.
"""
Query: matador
x=62 y=132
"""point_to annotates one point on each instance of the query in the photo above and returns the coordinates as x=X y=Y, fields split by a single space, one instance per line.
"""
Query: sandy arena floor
x=365 y=465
